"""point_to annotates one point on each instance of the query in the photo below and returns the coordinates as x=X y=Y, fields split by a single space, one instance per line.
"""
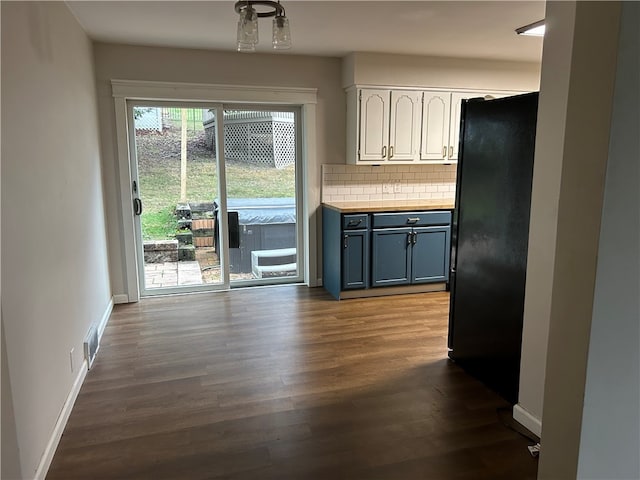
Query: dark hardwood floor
x=285 y=383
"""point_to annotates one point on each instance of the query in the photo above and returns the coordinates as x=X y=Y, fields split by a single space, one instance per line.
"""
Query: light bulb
x=247 y=36
x=281 y=33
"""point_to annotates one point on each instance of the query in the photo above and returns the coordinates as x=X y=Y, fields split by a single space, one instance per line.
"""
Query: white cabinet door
x=436 y=111
x=374 y=125
x=404 y=128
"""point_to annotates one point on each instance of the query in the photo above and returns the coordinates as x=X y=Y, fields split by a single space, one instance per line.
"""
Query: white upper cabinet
x=389 y=125
x=404 y=128
x=374 y=125
x=441 y=124
x=436 y=112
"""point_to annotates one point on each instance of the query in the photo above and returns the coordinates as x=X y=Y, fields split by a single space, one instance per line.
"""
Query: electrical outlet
x=71 y=359
x=387 y=188
x=397 y=187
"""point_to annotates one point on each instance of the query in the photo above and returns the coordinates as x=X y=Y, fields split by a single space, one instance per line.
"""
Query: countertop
x=390 y=205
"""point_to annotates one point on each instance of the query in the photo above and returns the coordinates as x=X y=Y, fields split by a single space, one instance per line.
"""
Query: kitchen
x=388 y=224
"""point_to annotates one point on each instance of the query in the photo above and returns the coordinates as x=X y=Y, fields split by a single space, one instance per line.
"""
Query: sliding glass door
x=260 y=161
x=206 y=219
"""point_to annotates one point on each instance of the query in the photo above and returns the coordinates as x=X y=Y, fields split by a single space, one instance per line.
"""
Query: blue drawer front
x=411 y=219
x=353 y=222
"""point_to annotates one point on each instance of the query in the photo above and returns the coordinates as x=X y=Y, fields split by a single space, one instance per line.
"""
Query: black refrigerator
x=489 y=239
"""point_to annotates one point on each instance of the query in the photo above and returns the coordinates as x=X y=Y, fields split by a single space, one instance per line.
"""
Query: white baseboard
x=52 y=444
x=527 y=420
x=105 y=318
x=122 y=298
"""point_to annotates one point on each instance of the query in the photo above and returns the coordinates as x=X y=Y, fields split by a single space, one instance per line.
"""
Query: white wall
x=54 y=268
x=463 y=73
x=10 y=455
x=547 y=171
x=211 y=67
x=586 y=121
x=610 y=439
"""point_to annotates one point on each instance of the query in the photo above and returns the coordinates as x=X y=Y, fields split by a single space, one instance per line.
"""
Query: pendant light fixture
x=247 y=36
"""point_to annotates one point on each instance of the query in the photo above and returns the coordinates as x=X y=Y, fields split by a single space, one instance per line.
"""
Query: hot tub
x=257 y=224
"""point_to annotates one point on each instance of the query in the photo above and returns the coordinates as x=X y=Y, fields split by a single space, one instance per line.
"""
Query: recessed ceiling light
x=535 y=29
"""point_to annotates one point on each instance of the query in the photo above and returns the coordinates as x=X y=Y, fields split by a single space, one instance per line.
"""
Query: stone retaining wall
x=195 y=228
x=160 y=251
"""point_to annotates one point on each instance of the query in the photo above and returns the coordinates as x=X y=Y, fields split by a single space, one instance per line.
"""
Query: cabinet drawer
x=410 y=219
x=352 y=222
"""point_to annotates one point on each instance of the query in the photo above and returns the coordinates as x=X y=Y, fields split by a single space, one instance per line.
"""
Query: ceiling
x=471 y=29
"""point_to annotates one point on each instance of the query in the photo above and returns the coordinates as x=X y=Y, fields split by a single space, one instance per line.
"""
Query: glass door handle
x=137 y=206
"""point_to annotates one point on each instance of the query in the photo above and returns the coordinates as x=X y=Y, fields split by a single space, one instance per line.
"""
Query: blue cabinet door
x=430 y=255
x=391 y=257
x=355 y=259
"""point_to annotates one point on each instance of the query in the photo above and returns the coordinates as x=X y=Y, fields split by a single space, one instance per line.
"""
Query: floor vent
x=91 y=345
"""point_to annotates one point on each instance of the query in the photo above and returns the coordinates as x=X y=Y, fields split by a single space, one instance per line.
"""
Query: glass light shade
x=246 y=47
x=247 y=37
x=281 y=33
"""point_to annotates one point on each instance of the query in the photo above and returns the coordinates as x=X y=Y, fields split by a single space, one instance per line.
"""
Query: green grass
x=158 y=225
x=160 y=188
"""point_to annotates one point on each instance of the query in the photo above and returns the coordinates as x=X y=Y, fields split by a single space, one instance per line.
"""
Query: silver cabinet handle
x=444 y=151
x=384 y=151
x=353 y=223
x=391 y=151
x=450 y=152
x=346 y=241
x=413 y=219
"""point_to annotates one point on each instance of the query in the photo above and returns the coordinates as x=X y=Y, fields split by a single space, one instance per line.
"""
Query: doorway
x=216 y=195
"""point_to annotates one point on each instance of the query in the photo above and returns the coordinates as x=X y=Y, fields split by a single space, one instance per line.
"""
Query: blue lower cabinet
x=430 y=254
x=402 y=256
x=345 y=251
x=355 y=259
x=391 y=257
x=363 y=250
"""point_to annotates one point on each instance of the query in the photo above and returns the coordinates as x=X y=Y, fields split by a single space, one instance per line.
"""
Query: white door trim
x=126 y=202
x=200 y=92
x=124 y=90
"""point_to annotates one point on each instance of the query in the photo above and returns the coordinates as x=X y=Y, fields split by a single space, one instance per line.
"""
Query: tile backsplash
x=344 y=183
